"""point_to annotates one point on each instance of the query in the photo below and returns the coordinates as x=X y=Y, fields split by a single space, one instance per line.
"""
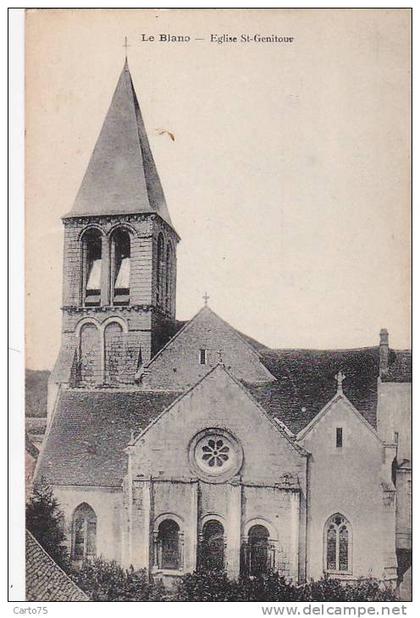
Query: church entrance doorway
x=212 y=547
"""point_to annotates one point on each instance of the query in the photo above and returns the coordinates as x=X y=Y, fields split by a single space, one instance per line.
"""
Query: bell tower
x=119 y=282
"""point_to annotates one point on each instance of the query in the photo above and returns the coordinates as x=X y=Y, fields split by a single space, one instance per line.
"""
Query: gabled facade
x=344 y=449
x=202 y=343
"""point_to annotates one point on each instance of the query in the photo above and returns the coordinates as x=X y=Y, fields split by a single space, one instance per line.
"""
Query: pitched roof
x=205 y=329
x=121 y=177
x=90 y=431
x=338 y=397
x=45 y=580
x=306 y=383
x=399 y=369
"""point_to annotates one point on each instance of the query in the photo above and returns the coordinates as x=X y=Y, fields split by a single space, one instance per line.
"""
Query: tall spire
x=121 y=177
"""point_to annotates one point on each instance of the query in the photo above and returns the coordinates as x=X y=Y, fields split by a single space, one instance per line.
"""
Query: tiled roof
x=90 y=431
x=121 y=177
x=399 y=367
x=306 y=382
x=45 y=580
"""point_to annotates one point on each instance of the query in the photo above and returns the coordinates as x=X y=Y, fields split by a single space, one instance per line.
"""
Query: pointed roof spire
x=121 y=177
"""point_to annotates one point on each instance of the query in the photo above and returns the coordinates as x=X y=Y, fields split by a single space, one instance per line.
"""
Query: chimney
x=383 y=351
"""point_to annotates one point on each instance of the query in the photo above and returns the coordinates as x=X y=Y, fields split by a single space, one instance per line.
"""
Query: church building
x=176 y=446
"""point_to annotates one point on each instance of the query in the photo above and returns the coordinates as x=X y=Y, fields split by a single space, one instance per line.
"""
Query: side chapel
x=175 y=446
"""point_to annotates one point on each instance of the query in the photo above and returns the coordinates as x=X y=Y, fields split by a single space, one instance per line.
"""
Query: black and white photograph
x=218 y=305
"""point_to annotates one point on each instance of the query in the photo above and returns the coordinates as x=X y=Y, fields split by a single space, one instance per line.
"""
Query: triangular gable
x=338 y=397
x=176 y=366
x=221 y=368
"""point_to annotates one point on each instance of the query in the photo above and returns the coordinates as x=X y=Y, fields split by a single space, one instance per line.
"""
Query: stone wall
x=178 y=366
x=354 y=481
x=165 y=479
x=108 y=506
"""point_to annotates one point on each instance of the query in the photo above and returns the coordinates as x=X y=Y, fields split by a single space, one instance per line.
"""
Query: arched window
x=167 y=545
x=259 y=553
x=114 y=353
x=212 y=546
x=120 y=267
x=337 y=544
x=89 y=355
x=91 y=268
x=394 y=469
x=168 y=280
x=160 y=277
x=84 y=532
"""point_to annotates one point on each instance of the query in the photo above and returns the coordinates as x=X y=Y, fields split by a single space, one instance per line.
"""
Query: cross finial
x=206 y=298
x=126 y=45
x=220 y=355
x=340 y=377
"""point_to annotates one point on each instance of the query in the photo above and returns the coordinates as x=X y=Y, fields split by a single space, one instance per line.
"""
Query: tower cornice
x=70 y=220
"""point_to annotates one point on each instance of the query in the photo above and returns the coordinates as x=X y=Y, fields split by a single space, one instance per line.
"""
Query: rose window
x=215 y=452
x=215 y=455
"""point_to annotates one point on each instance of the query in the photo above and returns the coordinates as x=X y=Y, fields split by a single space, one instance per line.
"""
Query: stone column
x=191 y=532
x=294 y=534
x=105 y=273
x=233 y=528
x=140 y=524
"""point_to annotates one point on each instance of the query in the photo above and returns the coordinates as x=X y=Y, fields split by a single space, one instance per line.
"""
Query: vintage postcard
x=218 y=267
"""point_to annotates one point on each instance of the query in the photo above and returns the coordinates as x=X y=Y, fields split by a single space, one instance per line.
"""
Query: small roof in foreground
x=45 y=580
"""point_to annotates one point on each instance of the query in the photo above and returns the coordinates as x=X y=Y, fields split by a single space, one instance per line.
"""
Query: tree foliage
x=44 y=520
x=216 y=586
x=104 y=580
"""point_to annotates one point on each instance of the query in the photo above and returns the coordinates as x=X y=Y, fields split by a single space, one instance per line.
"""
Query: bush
x=108 y=581
x=205 y=586
x=364 y=590
x=216 y=586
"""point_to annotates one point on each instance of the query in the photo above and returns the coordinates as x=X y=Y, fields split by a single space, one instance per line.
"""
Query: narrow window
x=92 y=268
x=168 y=546
x=212 y=547
x=203 y=356
x=89 y=372
x=259 y=558
x=120 y=267
x=114 y=354
x=168 y=281
x=84 y=533
x=160 y=277
x=337 y=545
x=339 y=437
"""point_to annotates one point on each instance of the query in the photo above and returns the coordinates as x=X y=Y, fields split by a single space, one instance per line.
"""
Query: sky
x=288 y=179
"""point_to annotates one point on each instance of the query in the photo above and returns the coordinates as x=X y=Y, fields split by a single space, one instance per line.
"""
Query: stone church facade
x=175 y=446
